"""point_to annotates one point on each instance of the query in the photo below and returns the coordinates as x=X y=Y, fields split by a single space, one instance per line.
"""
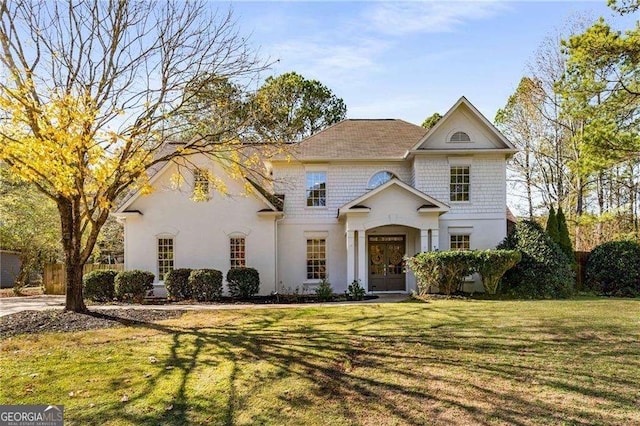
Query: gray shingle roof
x=356 y=139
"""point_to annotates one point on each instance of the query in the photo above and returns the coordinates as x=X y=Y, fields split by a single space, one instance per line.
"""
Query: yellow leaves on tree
x=55 y=144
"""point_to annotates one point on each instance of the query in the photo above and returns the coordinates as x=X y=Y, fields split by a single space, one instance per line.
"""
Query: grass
x=443 y=362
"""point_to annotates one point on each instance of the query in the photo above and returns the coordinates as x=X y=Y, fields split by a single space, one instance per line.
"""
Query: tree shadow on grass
x=409 y=374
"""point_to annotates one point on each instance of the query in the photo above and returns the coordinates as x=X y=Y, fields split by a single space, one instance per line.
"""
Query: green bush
x=177 y=284
x=133 y=285
x=206 y=284
x=442 y=269
x=613 y=269
x=564 y=240
x=493 y=264
x=324 y=291
x=543 y=272
x=243 y=282
x=99 y=285
x=426 y=268
x=355 y=291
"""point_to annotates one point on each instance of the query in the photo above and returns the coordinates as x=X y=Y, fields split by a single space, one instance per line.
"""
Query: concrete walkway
x=12 y=305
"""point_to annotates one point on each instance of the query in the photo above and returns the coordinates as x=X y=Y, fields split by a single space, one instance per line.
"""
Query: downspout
x=275 y=251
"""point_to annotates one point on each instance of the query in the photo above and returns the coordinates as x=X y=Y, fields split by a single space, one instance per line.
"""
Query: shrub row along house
x=347 y=204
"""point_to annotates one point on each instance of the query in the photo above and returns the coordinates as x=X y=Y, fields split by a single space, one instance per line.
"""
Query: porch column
x=424 y=240
x=435 y=240
x=362 y=258
x=351 y=257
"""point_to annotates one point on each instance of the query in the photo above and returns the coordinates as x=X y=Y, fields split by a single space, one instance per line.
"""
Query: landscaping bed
x=29 y=322
x=275 y=299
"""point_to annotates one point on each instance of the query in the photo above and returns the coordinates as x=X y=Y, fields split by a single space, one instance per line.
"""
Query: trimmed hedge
x=133 y=285
x=446 y=270
x=613 y=269
x=243 y=282
x=493 y=264
x=206 y=284
x=98 y=286
x=177 y=284
x=544 y=271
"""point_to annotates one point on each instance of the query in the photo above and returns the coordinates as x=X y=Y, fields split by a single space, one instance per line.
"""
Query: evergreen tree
x=564 y=241
x=552 y=226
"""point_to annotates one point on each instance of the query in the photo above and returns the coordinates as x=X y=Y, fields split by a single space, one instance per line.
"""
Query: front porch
x=397 y=220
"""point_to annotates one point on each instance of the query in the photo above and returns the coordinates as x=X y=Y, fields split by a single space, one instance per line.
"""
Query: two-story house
x=347 y=203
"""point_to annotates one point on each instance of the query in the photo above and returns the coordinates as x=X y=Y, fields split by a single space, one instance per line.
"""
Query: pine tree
x=552 y=226
x=563 y=235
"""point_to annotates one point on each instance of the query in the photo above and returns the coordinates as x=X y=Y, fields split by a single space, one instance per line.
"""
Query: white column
x=362 y=258
x=424 y=240
x=351 y=257
x=435 y=240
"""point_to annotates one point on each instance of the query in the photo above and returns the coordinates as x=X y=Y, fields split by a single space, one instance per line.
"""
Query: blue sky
x=409 y=60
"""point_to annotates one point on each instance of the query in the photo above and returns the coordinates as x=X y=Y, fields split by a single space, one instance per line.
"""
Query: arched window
x=380 y=178
x=460 y=137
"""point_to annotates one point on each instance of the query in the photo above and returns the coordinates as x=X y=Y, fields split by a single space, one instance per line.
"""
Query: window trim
x=460 y=235
x=197 y=173
x=307 y=190
x=455 y=132
x=173 y=254
x=232 y=252
x=393 y=176
x=453 y=165
x=326 y=262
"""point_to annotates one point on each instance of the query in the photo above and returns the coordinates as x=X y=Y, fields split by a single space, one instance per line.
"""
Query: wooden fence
x=581 y=268
x=55 y=276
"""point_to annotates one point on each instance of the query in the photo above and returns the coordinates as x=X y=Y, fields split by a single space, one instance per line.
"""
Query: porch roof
x=357 y=205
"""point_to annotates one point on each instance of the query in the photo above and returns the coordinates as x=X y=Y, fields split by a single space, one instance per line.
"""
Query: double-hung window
x=316 y=259
x=200 y=183
x=237 y=248
x=316 y=189
x=460 y=183
x=165 y=256
x=459 y=242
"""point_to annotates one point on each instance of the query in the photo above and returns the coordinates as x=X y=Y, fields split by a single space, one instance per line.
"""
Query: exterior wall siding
x=488 y=184
x=201 y=231
x=345 y=182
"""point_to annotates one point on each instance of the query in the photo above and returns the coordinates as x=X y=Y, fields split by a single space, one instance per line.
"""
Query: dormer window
x=460 y=137
x=380 y=178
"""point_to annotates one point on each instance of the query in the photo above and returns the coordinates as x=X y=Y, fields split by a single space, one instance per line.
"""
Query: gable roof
x=356 y=139
x=478 y=114
x=431 y=204
x=274 y=201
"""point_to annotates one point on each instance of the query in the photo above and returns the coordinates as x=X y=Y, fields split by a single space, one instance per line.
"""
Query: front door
x=386 y=265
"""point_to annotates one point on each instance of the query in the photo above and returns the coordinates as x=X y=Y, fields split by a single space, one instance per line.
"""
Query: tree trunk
x=75 y=299
x=72 y=243
x=22 y=278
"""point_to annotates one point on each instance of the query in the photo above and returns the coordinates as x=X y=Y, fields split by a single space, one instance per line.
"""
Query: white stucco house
x=347 y=204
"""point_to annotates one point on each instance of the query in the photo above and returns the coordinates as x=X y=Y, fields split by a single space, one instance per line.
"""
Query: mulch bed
x=29 y=322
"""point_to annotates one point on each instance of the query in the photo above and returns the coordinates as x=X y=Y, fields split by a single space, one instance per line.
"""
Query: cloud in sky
x=428 y=17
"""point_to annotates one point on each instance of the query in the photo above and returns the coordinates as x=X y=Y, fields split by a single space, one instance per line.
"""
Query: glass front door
x=386 y=264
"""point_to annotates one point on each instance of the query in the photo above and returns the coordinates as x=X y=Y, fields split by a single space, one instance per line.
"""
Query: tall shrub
x=99 y=285
x=426 y=268
x=445 y=270
x=177 y=284
x=544 y=270
x=133 y=285
x=206 y=284
x=613 y=269
x=493 y=264
x=564 y=240
x=243 y=282
x=552 y=226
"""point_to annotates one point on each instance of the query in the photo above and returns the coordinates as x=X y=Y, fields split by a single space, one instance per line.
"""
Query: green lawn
x=443 y=362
